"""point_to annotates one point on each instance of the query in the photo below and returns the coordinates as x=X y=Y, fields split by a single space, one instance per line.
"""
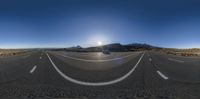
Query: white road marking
x=26 y=56
x=180 y=61
x=162 y=75
x=150 y=59
x=79 y=59
x=40 y=57
x=33 y=69
x=95 y=55
x=97 y=83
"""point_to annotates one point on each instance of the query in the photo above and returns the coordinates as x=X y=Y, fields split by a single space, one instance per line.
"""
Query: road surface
x=120 y=75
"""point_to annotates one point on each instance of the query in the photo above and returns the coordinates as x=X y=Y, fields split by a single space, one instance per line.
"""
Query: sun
x=99 y=43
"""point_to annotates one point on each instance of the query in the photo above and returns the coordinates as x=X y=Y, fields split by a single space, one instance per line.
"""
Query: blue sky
x=65 y=23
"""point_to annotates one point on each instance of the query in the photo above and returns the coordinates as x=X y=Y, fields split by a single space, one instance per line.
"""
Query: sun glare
x=99 y=43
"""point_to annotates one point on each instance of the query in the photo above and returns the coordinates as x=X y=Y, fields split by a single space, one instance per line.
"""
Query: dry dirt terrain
x=182 y=52
x=12 y=52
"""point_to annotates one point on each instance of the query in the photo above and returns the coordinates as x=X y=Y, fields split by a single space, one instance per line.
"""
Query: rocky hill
x=114 y=47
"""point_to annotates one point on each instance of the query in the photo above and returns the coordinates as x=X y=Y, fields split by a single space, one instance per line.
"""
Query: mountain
x=114 y=47
x=139 y=46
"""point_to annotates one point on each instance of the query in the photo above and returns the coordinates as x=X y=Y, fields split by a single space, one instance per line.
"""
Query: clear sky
x=65 y=23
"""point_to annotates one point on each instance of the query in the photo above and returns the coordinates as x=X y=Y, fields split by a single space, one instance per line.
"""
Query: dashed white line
x=93 y=83
x=162 y=75
x=79 y=59
x=33 y=69
x=180 y=61
x=26 y=56
x=150 y=59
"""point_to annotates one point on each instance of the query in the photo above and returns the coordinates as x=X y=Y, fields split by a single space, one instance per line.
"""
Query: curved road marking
x=93 y=83
x=79 y=59
x=162 y=75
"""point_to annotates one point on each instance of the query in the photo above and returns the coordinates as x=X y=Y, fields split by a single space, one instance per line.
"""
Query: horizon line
x=56 y=47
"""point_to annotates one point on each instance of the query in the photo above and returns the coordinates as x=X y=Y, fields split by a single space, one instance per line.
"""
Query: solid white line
x=97 y=83
x=79 y=59
x=162 y=75
x=180 y=61
x=33 y=69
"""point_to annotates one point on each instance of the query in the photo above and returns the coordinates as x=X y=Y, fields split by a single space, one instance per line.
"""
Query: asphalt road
x=120 y=75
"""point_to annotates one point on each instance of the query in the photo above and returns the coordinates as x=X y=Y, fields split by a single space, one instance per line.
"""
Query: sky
x=66 y=23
